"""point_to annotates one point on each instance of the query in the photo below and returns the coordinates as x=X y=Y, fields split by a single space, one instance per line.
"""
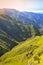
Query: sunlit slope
x=29 y=52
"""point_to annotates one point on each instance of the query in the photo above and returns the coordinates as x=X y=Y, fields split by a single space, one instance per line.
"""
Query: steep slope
x=6 y=42
x=17 y=26
x=29 y=52
x=13 y=31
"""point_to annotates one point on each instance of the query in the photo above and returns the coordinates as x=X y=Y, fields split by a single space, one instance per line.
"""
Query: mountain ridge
x=16 y=27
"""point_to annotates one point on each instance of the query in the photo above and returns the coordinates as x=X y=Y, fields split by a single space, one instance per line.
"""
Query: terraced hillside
x=13 y=31
x=29 y=52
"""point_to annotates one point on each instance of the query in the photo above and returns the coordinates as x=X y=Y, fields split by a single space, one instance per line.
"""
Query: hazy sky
x=23 y=5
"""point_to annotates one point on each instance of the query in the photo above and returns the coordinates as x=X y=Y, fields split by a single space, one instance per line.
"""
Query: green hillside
x=6 y=42
x=13 y=31
x=29 y=52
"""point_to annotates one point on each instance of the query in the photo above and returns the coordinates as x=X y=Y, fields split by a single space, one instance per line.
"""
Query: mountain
x=17 y=27
x=29 y=52
x=27 y=17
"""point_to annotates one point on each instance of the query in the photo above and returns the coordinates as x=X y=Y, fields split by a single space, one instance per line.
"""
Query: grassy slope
x=29 y=52
x=6 y=42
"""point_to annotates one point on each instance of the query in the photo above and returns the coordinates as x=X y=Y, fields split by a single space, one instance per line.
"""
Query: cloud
x=22 y=5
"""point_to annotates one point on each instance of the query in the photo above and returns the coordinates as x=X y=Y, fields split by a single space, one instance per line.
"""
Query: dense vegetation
x=29 y=52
